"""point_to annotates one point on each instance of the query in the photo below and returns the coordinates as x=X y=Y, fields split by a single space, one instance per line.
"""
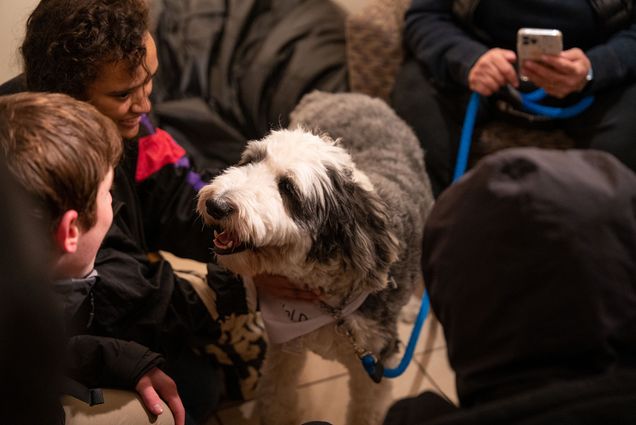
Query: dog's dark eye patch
x=292 y=198
x=252 y=156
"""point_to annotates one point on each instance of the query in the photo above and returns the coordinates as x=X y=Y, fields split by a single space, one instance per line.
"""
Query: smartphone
x=534 y=42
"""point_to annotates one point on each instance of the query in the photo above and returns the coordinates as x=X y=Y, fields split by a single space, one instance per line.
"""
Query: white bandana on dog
x=286 y=319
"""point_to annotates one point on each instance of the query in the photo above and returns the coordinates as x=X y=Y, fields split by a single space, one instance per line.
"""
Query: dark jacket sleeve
x=436 y=40
x=143 y=300
x=108 y=362
x=614 y=62
x=448 y=51
x=167 y=184
x=140 y=299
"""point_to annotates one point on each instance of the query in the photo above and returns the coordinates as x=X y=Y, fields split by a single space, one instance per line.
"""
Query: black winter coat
x=231 y=70
x=530 y=264
x=97 y=361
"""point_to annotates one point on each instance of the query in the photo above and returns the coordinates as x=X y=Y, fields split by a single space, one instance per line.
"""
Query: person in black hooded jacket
x=30 y=325
x=530 y=264
x=462 y=46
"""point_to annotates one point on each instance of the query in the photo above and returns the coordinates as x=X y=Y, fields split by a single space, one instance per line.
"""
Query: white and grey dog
x=338 y=204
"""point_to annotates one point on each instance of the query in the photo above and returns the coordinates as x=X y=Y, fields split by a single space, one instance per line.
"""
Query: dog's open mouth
x=226 y=243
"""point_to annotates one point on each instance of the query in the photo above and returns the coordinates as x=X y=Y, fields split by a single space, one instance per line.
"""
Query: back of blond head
x=59 y=149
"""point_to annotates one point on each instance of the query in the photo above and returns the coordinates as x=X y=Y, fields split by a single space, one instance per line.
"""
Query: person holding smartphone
x=463 y=46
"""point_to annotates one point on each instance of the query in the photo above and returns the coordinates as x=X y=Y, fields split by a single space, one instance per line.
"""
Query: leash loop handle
x=529 y=102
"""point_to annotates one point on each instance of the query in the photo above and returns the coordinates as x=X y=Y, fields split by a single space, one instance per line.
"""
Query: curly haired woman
x=101 y=51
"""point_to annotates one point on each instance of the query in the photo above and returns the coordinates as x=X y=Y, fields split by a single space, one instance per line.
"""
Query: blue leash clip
x=376 y=370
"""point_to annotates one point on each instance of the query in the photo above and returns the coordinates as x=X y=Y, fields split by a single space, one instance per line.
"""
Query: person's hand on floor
x=280 y=286
x=155 y=386
x=493 y=70
x=559 y=75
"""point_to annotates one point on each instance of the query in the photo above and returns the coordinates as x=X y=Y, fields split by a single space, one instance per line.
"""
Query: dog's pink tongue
x=223 y=238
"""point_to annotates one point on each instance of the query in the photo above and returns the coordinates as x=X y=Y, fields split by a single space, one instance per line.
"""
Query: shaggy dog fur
x=344 y=216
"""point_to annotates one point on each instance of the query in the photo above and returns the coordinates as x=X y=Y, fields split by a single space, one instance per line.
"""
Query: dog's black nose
x=218 y=209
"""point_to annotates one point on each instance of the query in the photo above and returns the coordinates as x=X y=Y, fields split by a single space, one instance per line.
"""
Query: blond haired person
x=63 y=153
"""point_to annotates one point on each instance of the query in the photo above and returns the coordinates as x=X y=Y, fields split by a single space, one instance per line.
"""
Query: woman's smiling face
x=122 y=96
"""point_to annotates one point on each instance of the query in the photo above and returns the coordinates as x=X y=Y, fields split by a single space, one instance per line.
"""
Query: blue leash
x=467 y=135
x=529 y=101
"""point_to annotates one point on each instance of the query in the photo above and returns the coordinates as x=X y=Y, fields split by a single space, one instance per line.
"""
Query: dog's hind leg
x=277 y=390
x=369 y=401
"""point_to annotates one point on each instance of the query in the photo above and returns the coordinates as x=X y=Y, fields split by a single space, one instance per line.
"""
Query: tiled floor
x=323 y=384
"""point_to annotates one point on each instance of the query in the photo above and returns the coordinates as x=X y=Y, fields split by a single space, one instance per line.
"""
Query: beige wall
x=352 y=5
x=13 y=14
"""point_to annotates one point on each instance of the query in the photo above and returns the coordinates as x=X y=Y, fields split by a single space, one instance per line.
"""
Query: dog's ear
x=355 y=226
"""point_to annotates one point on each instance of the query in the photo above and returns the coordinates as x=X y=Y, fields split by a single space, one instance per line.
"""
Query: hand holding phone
x=532 y=43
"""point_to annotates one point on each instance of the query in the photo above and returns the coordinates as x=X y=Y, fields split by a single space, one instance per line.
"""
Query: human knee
x=119 y=407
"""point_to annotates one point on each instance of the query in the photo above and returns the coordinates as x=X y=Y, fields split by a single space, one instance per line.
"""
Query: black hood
x=530 y=262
